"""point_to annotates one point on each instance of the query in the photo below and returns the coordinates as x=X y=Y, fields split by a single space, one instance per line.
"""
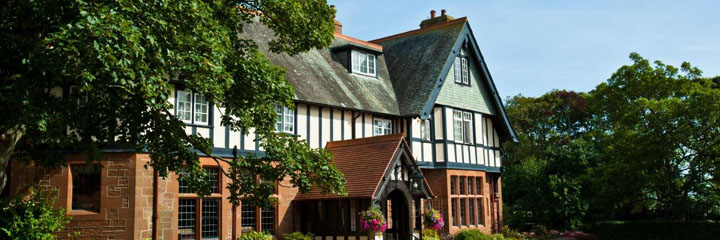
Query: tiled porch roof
x=363 y=161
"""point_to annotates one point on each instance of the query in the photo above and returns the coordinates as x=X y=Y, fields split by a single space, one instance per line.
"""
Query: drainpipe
x=155 y=205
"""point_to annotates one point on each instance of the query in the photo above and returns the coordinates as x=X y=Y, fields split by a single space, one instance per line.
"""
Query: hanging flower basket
x=433 y=219
x=373 y=222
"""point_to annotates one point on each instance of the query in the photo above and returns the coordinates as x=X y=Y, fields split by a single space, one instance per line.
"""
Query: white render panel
x=417 y=150
x=427 y=149
x=440 y=152
x=235 y=139
x=496 y=141
x=368 y=125
x=452 y=149
x=473 y=156
x=347 y=128
x=437 y=117
x=479 y=128
x=325 y=125
x=337 y=125
x=301 y=123
x=250 y=139
x=498 y=162
x=449 y=124
x=218 y=130
x=203 y=131
x=314 y=127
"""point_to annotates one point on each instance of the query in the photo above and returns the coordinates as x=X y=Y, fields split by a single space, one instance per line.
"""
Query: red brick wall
x=439 y=182
x=114 y=220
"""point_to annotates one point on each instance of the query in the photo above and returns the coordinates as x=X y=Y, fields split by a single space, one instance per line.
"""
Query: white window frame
x=462 y=71
x=285 y=121
x=369 y=60
x=425 y=129
x=382 y=126
x=462 y=127
x=192 y=112
x=201 y=107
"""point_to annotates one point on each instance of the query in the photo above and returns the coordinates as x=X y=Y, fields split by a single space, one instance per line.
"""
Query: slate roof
x=364 y=162
x=318 y=77
x=415 y=60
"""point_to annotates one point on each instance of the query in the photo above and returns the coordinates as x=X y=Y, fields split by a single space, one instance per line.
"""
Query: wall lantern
x=416 y=183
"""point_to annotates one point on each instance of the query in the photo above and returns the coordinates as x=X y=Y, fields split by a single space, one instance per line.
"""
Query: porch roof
x=364 y=163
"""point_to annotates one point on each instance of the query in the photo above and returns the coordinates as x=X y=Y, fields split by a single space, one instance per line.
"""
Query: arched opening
x=397 y=213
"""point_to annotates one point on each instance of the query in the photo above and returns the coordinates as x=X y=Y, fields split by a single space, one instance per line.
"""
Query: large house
x=419 y=105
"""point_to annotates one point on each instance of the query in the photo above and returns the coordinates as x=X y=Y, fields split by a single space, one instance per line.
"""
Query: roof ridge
x=358 y=41
x=416 y=31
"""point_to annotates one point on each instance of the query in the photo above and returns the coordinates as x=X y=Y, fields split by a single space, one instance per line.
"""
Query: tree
x=662 y=131
x=115 y=61
x=544 y=171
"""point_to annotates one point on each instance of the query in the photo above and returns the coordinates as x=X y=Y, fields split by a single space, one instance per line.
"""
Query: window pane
x=85 y=187
x=267 y=220
x=458 y=70
x=453 y=207
x=463 y=219
x=247 y=217
x=458 y=126
x=470 y=188
x=213 y=175
x=279 y=119
x=184 y=105
x=183 y=187
x=355 y=61
x=363 y=63
x=289 y=120
x=471 y=206
x=478 y=186
x=462 y=185
x=371 y=64
x=186 y=219
x=381 y=127
x=467 y=131
x=465 y=76
x=210 y=218
x=452 y=184
x=201 y=109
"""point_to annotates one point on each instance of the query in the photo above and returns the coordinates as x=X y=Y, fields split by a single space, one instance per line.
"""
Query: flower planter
x=378 y=237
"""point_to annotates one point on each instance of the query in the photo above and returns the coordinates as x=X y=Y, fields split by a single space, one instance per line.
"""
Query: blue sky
x=532 y=47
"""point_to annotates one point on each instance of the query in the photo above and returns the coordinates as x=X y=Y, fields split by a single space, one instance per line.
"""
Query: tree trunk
x=8 y=140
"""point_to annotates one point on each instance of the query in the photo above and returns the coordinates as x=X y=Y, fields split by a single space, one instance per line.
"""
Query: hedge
x=655 y=230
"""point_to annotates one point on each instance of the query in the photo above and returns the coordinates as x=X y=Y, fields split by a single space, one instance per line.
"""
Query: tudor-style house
x=415 y=106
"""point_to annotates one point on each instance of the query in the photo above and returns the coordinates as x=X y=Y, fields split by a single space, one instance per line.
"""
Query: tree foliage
x=31 y=217
x=644 y=144
x=121 y=58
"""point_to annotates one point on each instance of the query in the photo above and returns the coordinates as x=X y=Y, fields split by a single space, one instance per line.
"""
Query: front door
x=397 y=213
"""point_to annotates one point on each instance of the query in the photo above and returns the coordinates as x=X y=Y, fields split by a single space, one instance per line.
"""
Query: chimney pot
x=338 y=26
x=442 y=12
x=432 y=13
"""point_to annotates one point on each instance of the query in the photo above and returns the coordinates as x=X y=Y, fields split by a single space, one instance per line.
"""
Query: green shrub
x=255 y=236
x=430 y=234
x=656 y=230
x=472 y=234
x=31 y=217
x=298 y=236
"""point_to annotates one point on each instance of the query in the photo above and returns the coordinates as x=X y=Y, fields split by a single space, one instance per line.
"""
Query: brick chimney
x=435 y=19
x=338 y=26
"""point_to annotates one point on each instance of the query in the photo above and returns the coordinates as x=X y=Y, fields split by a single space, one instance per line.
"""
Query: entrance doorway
x=397 y=213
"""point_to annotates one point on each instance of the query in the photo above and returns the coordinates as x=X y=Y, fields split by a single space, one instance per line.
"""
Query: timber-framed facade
x=420 y=102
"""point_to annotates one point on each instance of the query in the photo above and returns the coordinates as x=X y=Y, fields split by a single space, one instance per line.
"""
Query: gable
x=475 y=97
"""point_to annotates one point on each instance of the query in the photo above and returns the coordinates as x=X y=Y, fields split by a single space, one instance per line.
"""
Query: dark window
x=453 y=207
x=213 y=175
x=470 y=188
x=267 y=219
x=471 y=206
x=248 y=217
x=463 y=219
x=478 y=186
x=452 y=184
x=186 y=219
x=183 y=186
x=462 y=185
x=85 y=187
x=210 y=218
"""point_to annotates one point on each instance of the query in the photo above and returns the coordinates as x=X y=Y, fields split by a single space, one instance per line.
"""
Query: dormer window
x=462 y=75
x=363 y=63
